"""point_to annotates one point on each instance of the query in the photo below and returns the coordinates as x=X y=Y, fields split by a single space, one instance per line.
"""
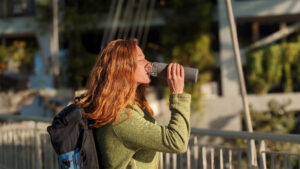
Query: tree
x=274 y=68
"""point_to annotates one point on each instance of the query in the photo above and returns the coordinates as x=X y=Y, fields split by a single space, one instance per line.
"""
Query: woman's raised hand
x=175 y=78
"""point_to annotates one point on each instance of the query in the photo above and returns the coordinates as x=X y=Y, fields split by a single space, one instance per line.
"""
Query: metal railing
x=25 y=143
x=25 y=140
x=231 y=154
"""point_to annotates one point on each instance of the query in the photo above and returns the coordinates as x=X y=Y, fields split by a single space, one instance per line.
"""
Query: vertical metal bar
x=239 y=159
x=272 y=161
x=6 y=158
x=116 y=20
x=12 y=145
x=45 y=158
x=249 y=154
x=262 y=154
x=149 y=17
x=124 y=19
x=135 y=23
x=290 y=166
x=142 y=20
x=188 y=158
x=23 y=148
x=161 y=161
x=28 y=149
x=204 y=162
x=167 y=155
x=129 y=20
x=233 y=31
x=212 y=158
x=285 y=165
x=174 y=161
x=181 y=161
x=16 y=154
x=221 y=159
x=1 y=146
x=230 y=158
x=49 y=150
x=38 y=148
x=108 y=23
x=33 y=150
x=298 y=162
x=196 y=152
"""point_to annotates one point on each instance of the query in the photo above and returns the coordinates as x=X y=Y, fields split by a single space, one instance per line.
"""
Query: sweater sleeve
x=135 y=130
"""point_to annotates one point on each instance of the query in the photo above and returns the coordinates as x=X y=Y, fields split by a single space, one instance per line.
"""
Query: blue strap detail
x=70 y=160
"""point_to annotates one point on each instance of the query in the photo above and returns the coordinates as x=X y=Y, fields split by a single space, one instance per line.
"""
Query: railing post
x=285 y=162
x=196 y=152
x=240 y=159
x=174 y=161
x=161 y=161
x=249 y=154
x=230 y=158
x=37 y=147
x=272 y=161
x=188 y=158
x=204 y=162
x=212 y=159
x=262 y=154
x=221 y=159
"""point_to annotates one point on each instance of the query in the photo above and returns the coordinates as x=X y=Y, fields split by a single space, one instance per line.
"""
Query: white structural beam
x=229 y=77
x=276 y=36
x=262 y=8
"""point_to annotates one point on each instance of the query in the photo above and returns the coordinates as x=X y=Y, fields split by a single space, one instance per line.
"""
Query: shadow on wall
x=221 y=122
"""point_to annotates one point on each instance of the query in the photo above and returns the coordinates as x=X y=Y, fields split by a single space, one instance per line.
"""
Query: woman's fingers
x=174 y=71
x=169 y=76
x=175 y=78
x=181 y=72
x=177 y=70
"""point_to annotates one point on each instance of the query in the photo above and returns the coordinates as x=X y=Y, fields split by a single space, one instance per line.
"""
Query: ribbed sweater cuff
x=175 y=98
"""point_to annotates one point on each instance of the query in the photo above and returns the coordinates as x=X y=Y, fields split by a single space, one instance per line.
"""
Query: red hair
x=111 y=85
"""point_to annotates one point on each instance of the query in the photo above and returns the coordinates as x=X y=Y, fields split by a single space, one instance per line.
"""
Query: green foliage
x=186 y=40
x=275 y=67
x=44 y=11
x=18 y=52
x=276 y=120
x=3 y=54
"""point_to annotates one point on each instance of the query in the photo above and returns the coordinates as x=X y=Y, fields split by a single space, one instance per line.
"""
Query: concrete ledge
x=224 y=112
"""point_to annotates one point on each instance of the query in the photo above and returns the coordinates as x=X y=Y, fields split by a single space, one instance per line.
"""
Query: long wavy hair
x=112 y=86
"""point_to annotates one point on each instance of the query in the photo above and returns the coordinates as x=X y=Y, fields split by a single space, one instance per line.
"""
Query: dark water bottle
x=160 y=70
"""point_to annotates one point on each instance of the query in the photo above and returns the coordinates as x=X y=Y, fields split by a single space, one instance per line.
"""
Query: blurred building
x=259 y=23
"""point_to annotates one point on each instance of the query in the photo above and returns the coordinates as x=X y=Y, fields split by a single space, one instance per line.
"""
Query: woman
x=125 y=131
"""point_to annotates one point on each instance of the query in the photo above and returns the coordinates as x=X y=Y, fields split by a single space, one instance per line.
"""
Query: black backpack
x=73 y=140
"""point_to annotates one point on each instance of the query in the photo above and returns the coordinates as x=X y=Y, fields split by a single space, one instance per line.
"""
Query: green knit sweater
x=135 y=140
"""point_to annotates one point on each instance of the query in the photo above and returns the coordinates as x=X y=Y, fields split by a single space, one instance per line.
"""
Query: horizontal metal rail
x=14 y=135
x=25 y=118
x=207 y=132
x=247 y=135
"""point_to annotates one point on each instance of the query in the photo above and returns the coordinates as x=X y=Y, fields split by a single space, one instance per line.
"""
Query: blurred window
x=10 y=8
